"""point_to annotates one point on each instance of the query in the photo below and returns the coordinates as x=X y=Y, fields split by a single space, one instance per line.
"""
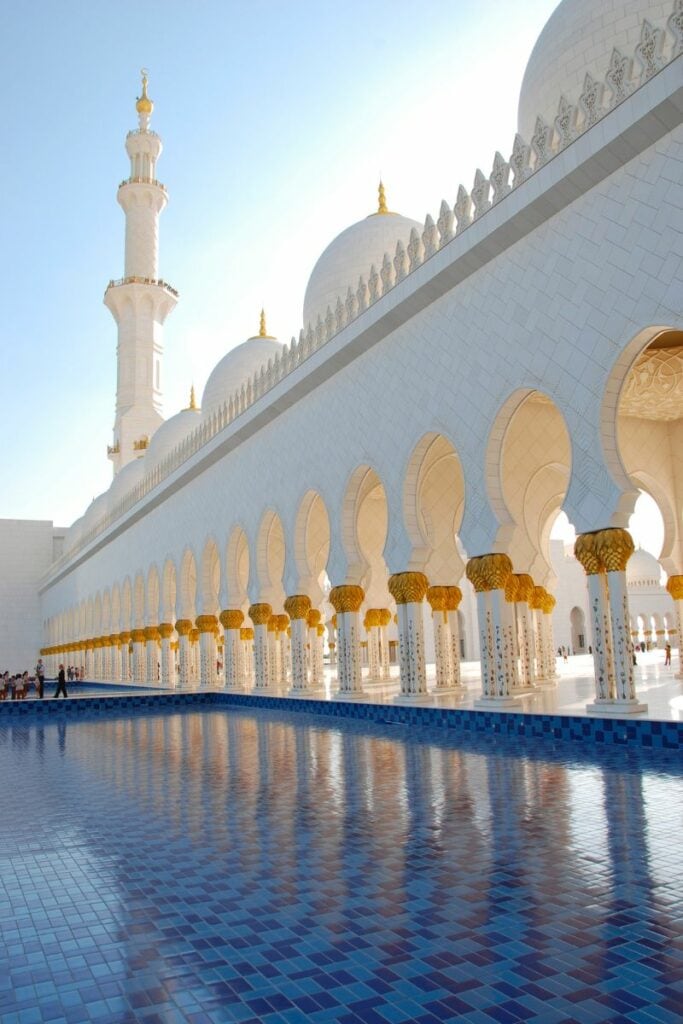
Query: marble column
x=371 y=623
x=233 y=660
x=207 y=624
x=488 y=574
x=331 y=642
x=438 y=600
x=126 y=672
x=247 y=640
x=346 y=601
x=284 y=656
x=168 y=679
x=384 y=665
x=260 y=615
x=549 y=637
x=408 y=590
x=297 y=607
x=152 y=654
x=315 y=650
x=453 y=599
x=183 y=628
x=523 y=594
x=614 y=547
x=274 y=666
x=675 y=587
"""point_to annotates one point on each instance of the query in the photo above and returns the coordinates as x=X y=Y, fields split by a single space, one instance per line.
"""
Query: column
x=297 y=607
x=168 y=679
x=510 y=633
x=283 y=647
x=182 y=628
x=371 y=624
x=125 y=656
x=438 y=600
x=315 y=649
x=524 y=594
x=260 y=615
x=247 y=640
x=586 y=553
x=152 y=667
x=549 y=636
x=137 y=637
x=536 y=610
x=453 y=599
x=488 y=574
x=346 y=601
x=408 y=590
x=206 y=624
x=233 y=662
x=674 y=585
x=114 y=656
x=274 y=666
x=106 y=659
x=331 y=642
x=384 y=666
x=614 y=547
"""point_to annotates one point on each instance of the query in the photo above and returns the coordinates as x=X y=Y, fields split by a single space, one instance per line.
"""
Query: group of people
x=18 y=687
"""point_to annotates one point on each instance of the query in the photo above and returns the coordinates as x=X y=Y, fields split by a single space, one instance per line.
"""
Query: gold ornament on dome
x=297 y=606
x=346 y=598
x=408 y=587
x=231 y=618
x=144 y=104
x=260 y=614
x=674 y=585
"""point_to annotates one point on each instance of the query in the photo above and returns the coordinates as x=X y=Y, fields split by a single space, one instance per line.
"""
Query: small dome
x=236 y=367
x=94 y=512
x=74 y=534
x=643 y=570
x=579 y=37
x=169 y=435
x=350 y=256
x=125 y=480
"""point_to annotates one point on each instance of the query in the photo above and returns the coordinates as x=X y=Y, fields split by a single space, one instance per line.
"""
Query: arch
x=106 y=614
x=528 y=468
x=97 y=615
x=168 y=592
x=577 y=622
x=237 y=569
x=187 y=586
x=139 y=601
x=210 y=578
x=116 y=608
x=311 y=544
x=127 y=604
x=364 y=530
x=270 y=559
x=433 y=507
x=153 y=594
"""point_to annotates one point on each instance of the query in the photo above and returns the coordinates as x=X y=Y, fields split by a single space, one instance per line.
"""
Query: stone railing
x=143 y=181
x=658 y=46
x=156 y=281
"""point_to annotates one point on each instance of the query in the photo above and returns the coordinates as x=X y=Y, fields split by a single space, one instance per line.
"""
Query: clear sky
x=277 y=117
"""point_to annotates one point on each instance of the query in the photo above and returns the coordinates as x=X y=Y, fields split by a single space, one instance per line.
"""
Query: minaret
x=139 y=301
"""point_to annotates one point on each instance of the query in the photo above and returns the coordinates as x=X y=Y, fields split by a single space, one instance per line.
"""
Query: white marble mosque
x=374 y=499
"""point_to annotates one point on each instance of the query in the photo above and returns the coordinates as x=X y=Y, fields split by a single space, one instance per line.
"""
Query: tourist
x=61 y=683
x=40 y=678
x=667 y=654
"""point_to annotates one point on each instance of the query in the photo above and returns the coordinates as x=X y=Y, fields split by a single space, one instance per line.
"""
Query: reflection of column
x=488 y=574
x=247 y=639
x=408 y=590
x=167 y=659
x=438 y=600
x=206 y=624
x=260 y=615
x=152 y=636
x=315 y=647
x=231 y=621
x=453 y=599
x=297 y=607
x=384 y=667
x=675 y=587
x=183 y=627
x=346 y=601
x=139 y=667
x=614 y=548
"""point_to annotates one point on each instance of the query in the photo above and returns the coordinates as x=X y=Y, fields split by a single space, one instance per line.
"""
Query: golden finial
x=382 y=205
x=144 y=104
x=262 y=332
x=193 y=400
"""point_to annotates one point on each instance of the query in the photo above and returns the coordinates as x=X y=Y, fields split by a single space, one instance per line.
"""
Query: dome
x=237 y=366
x=350 y=255
x=643 y=570
x=94 y=512
x=170 y=434
x=74 y=534
x=579 y=37
x=125 y=480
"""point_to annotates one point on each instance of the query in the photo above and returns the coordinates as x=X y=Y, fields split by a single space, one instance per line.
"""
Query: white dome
x=169 y=435
x=643 y=569
x=234 y=370
x=125 y=480
x=579 y=37
x=351 y=255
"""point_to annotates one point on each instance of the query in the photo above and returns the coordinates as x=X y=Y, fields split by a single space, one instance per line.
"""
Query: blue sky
x=277 y=119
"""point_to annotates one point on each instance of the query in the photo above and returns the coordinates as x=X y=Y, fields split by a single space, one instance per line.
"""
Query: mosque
x=382 y=488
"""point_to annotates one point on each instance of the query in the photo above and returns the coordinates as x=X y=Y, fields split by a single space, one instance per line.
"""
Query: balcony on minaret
x=143 y=181
x=113 y=449
x=157 y=282
x=141 y=444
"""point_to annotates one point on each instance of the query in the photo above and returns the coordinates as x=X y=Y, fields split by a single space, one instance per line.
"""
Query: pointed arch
x=311 y=545
x=237 y=569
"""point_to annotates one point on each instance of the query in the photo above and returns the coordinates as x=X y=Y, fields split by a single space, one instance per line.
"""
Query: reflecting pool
x=221 y=865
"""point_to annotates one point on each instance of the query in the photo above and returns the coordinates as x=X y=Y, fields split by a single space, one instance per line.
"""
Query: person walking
x=40 y=678
x=667 y=654
x=61 y=683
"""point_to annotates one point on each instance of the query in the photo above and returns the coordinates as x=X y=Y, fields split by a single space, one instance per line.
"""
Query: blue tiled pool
x=219 y=864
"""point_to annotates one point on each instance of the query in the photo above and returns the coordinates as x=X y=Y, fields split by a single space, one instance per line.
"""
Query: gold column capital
x=320 y=629
x=586 y=552
x=231 y=618
x=537 y=600
x=674 y=585
x=525 y=586
x=137 y=636
x=260 y=613
x=165 y=630
x=384 y=616
x=152 y=633
x=206 y=623
x=489 y=572
x=408 y=587
x=372 y=618
x=313 y=618
x=297 y=606
x=438 y=598
x=346 y=598
x=453 y=598
x=512 y=589
x=194 y=635
x=183 y=627
x=614 y=547
x=123 y=637
x=246 y=633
